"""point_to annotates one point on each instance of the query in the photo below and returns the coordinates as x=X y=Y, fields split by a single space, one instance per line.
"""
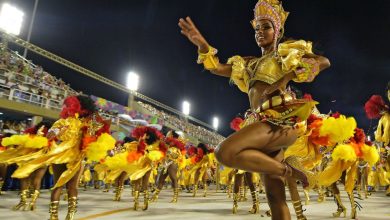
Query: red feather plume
x=199 y=155
x=375 y=106
x=163 y=147
x=307 y=96
x=141 y=147
x=235 y=123
x=173 y=142
x=191 y=151
x=359 y=137
x=106 y=125
x=140 y=131
x=31 y=130
x=71 y=107
x=336 y=115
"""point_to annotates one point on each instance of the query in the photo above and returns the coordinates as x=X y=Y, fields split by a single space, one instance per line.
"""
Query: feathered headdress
x=77 y=105
x=140 y=131
x=271 y=10
x=173 y=142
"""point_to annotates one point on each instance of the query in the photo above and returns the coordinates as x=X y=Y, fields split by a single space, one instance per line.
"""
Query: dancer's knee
x=224 y=155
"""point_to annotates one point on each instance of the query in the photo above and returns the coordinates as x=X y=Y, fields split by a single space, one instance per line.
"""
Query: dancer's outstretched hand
x=189 y=30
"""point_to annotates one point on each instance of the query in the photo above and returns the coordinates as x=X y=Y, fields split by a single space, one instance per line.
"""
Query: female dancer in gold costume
x=376 y=108
x=142 y=156
x=80 y=133
x=170 y=165
x=202 y=160
x=3 y=166
x=35 y=145
x=274 y=113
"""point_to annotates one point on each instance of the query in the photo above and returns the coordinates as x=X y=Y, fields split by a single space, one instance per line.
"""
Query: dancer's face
x=264 y=33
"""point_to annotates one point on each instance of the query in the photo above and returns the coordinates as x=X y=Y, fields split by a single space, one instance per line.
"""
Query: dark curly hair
x=174 y=134
x=151 y=137
x=87 y=103
x=203 y=147
x=128 y=139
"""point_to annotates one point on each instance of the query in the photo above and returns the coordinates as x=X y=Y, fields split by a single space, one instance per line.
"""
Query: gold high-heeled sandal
x=175 y=195
x=146 y=200
x=255 y=207
x=118 y=193
x=353 y=206
x=340 y=207
x=155 y=195
x=229 y=191
x=235 y=203
x=321 y=195
x=195 y=190
x=53 y=210
x=298 y=210
x=72 y=208
x=136 y=202
x=23 y=201
x=34 y=198
x=205 y=190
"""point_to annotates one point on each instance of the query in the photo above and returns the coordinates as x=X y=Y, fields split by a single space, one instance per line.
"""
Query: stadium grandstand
x=29 y=94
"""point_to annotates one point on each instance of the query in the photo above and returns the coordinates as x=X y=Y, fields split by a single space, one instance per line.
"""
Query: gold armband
x=308 y=70
x=209 y=60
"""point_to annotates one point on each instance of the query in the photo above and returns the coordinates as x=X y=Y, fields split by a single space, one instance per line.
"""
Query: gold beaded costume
x=22 y=148
x=75 y=138
x=283 y=109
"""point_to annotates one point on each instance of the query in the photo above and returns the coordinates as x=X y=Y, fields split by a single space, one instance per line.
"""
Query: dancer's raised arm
x=206 y=52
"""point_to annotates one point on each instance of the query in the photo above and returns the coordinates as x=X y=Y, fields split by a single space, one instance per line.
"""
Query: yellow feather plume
x=155 y=155
x=36 y=142
x=98 y=150
x=370 y=154
x=338 y=129
x=182 y=163
x=118 y=161
x=344 y=152
x=15 y=140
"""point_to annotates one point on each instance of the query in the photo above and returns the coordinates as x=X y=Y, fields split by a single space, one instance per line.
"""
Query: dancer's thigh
x=261 y=136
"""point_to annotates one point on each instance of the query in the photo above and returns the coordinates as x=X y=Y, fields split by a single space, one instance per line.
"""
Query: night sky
x=115 y=37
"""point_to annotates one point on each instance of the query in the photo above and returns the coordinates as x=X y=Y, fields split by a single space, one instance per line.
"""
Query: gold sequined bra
x=272 y=67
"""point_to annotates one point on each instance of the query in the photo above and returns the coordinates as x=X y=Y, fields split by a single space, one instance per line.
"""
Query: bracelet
x=209 y=60
x=309 y=70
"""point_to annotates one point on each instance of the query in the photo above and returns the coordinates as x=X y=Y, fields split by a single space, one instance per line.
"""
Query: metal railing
x=27 y=82
x=18 y=95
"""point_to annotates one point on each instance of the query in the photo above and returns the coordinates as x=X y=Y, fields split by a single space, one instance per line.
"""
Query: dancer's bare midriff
x=260 y=92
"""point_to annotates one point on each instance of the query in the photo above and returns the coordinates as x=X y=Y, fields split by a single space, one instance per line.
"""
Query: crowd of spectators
x=13 y=126
x=30 y=82
x=22 y=81
x=196 y=131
